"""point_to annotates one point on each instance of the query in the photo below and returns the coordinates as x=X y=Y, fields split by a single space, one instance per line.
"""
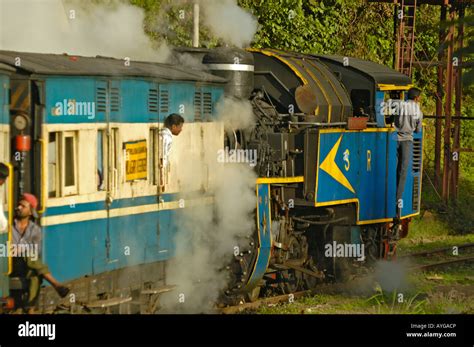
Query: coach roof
x=74 y=65
x=5 y=67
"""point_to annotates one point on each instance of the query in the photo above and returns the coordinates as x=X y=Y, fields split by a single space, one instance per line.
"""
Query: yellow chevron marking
x=330 y=167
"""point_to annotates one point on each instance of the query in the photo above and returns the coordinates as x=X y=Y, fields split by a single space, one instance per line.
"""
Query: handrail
x=10 y=214
x=43 y=177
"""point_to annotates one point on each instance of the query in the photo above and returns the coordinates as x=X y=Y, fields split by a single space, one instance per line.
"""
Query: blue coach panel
x=135 y=104
x=72 y=100
x=182 y=100
x=101 y=249
x=361 y=167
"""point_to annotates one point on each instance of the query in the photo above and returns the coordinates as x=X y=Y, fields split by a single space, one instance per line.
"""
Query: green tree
x=345 y=27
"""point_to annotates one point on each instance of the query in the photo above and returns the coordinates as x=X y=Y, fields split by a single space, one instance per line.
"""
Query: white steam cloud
x=229 y=22
x=113 y=28
x=206 y=239
x=235 y=113
x=392 y=275
x=208 y=234
x=76 y=27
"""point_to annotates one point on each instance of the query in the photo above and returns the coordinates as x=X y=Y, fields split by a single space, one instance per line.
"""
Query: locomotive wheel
x=310 y=281
x=372 y=240
x=291 y=280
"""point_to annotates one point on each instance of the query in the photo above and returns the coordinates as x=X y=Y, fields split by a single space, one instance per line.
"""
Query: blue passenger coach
x=105 y=204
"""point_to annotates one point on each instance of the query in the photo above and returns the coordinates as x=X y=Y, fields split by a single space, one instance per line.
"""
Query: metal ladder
x=405 y=38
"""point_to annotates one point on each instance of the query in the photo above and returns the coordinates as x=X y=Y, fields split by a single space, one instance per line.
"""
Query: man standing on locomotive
x=173 y=125
x=408 y=120
x=27 y=233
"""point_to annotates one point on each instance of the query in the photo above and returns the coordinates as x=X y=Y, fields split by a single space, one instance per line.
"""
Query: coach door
x=107 y=102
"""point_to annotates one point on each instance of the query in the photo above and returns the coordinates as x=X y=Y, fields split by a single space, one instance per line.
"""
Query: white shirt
x=167 y=142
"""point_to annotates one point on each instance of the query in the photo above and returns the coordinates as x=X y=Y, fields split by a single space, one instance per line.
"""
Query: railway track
x=265 y=301
x=457 y=259
x=341 y=287
x=443 y=263
x=436 y=251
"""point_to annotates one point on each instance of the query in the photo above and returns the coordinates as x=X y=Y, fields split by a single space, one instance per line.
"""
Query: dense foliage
x=345 y=27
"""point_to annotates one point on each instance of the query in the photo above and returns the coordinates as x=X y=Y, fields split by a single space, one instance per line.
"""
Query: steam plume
x=229 y=22
x=75 y=27
x=207 y=235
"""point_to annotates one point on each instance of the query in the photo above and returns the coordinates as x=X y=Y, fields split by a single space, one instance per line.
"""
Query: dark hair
x=413 y=93
x=173 y=119
x=4 y=172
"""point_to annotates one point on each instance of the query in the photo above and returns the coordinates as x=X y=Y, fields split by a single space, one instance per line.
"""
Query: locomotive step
x=159 y=290
x=109 y=302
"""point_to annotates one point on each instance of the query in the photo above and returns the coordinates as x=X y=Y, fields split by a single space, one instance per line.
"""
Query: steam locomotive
x=83 y=135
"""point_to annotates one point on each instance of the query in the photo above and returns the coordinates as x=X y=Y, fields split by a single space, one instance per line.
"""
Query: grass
x=439 y=225
x=445 y=292
x=457 y=217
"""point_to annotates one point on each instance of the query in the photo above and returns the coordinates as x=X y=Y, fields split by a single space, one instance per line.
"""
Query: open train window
x=112 y=155
x=4 y=146
x=361 y=102
x=62 y=164
x=53 y=167
x=154 y=155
x=101 y=159
x=69 y=161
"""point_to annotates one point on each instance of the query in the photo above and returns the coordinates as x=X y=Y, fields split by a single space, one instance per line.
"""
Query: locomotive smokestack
x=234 y=64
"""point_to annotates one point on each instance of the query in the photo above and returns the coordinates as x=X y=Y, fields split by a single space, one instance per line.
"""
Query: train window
x=3 y=146
x=62 y=164
x=69 y=160
x=394 y=94
x=53 y=167
x=101 y=159
x=361 y=102
x=113 y=155
x=69 y=164
x=154 y=171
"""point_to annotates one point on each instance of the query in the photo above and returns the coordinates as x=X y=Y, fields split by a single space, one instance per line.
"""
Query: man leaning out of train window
x=27 y=233
x=408 y=119
x=3 y=177
x=173 y=125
